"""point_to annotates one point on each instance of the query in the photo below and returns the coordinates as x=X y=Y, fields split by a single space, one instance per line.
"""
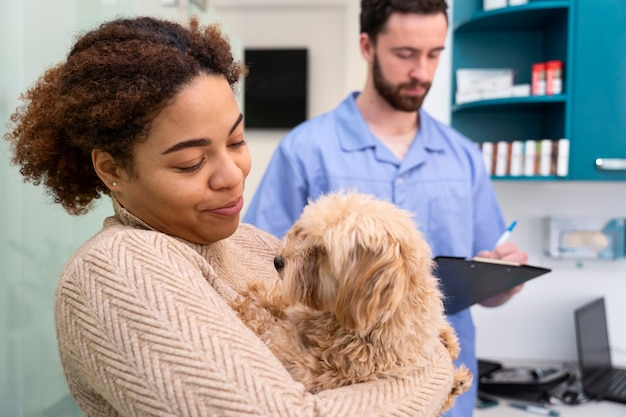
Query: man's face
x=405 y=58
x=397 y=94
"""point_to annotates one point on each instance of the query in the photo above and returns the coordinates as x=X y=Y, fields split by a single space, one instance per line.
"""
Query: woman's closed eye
x=238 y=144
x=191 y=168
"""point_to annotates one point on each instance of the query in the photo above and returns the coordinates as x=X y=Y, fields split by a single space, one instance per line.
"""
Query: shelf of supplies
x=531 y=16
x=514 y=103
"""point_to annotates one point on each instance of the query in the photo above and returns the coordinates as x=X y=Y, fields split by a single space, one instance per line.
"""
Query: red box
x=554 y=79
x=538 y=83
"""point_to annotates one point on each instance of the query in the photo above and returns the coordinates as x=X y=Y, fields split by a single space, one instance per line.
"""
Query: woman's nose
x=227 y=173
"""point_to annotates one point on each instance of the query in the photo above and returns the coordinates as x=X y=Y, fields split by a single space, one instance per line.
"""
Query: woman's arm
x=141 y=332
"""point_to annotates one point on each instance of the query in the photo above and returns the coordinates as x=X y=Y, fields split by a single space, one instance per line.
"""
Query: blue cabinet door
x=598 y=89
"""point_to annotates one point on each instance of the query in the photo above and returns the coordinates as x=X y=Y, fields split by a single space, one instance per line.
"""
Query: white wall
x=328 y=29
x=538 y=323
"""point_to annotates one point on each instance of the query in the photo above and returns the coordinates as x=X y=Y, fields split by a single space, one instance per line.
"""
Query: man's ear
x=367 y=47
x=106 y=168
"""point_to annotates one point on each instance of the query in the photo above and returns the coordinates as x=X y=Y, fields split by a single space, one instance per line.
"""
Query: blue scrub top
x=442 y=180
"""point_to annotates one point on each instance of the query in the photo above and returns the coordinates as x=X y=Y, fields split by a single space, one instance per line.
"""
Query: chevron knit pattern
x=144 y=329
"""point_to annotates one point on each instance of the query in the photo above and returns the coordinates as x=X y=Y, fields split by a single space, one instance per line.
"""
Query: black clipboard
x=465 y=282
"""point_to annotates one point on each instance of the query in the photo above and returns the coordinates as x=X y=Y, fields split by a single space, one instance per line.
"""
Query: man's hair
x=375 y=13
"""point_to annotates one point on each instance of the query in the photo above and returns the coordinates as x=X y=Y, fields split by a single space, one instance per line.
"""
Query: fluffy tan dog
x=357 y=300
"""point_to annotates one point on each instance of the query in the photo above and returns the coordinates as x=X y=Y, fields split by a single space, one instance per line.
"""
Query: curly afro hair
x=115 y=80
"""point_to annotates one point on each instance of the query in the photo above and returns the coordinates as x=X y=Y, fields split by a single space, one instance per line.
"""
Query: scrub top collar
x=355 y=135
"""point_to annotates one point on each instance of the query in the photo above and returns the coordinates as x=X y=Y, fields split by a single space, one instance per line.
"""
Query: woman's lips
x=230 y=209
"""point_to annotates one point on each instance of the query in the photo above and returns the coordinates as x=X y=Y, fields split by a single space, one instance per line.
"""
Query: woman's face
x=190 y=172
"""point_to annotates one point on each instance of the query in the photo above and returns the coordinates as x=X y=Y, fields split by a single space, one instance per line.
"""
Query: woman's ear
x=106 y=168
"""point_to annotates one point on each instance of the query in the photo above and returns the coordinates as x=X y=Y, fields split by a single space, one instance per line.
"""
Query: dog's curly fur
x=357 y=299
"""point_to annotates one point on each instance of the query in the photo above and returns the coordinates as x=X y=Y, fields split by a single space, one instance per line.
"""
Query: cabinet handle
x=611 y=164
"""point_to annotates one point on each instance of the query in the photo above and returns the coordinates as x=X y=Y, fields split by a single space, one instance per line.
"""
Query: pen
x=535 y=409
x=506 y=234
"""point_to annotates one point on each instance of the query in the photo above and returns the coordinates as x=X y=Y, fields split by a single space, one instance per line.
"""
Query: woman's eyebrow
x=191 y=143
x=237 y=122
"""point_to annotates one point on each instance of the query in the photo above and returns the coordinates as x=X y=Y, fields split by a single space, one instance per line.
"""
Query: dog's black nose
x=279 y=263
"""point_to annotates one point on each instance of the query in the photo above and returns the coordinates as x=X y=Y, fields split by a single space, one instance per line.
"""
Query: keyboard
x=617 y=384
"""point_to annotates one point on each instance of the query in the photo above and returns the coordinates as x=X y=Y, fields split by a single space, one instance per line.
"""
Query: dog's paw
x=450 y=341
x=463 y=379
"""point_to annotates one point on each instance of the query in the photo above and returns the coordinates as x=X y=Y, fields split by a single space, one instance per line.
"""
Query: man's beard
x=393 y=94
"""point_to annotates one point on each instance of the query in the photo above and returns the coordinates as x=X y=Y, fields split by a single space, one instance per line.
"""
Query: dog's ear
x=370 y=289
x=300 y=277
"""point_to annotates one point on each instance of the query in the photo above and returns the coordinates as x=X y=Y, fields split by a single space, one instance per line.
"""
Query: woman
x=143 y=111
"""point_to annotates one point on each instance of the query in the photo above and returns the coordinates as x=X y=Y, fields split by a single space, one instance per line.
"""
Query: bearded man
x=380 y=141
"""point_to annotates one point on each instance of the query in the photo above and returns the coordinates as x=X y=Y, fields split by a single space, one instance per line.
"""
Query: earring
x=114 y=183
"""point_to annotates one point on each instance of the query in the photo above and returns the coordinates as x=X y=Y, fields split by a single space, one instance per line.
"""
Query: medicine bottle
x=538 y=82
x=554 y=79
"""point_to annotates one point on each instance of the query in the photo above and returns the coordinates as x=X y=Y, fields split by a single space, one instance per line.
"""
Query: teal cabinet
x=598 y=97
x=588 y=36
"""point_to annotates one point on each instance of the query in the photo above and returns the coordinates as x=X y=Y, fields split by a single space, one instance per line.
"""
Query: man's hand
x=509 y=252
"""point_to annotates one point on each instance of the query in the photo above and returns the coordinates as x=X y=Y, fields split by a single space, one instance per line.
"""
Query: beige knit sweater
x=144 y=329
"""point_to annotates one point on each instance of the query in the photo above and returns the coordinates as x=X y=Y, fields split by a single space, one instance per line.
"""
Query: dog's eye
x=279 y=263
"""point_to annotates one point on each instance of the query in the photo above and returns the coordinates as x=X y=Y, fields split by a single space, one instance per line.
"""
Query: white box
x=467 y=96
x=493 y=94
x=584 y=237
x=517 y=2
x=520 y=90
x=484 y=79
x=494 y=4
